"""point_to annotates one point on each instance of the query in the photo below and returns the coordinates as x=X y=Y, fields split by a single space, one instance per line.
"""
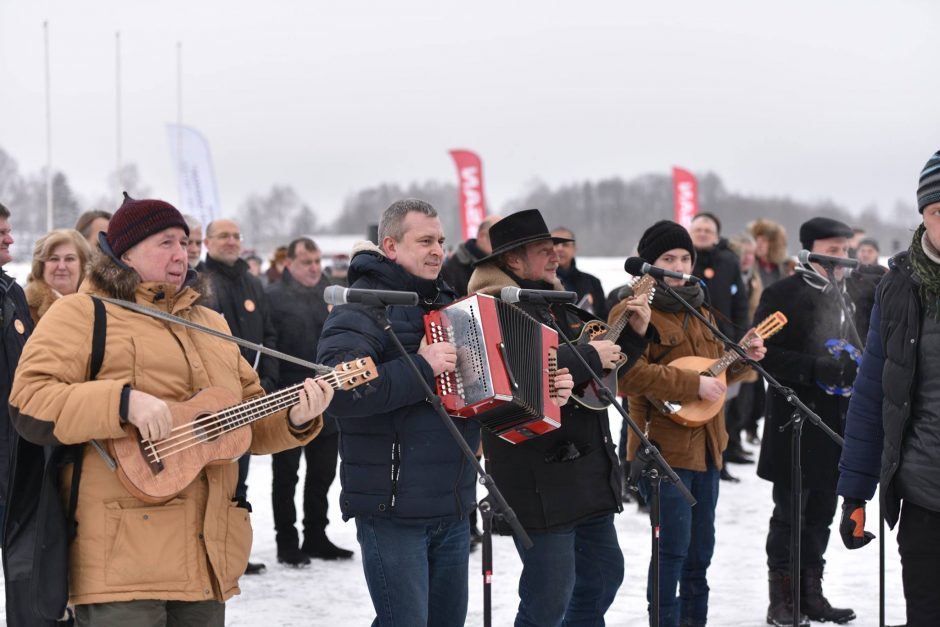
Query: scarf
x=693 y=294
x=928 y=271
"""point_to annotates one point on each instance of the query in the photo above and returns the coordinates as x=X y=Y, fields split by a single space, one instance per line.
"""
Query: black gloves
x=838 y=372
x=852 y=526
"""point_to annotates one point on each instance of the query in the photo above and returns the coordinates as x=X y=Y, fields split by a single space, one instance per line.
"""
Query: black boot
x=626 y=494
x=815 y=605
x=724 y=475
x=322 y=549
x=780 y=612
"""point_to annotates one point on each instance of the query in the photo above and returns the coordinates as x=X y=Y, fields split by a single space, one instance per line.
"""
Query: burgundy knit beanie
x=137 y=220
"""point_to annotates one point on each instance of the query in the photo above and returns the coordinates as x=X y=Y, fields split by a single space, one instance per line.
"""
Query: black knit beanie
x=664 y=236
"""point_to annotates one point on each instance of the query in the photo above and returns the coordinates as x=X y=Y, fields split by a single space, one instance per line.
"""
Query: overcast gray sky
x=806 y=98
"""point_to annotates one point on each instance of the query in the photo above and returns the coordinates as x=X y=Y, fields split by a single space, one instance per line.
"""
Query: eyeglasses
x=235 y=236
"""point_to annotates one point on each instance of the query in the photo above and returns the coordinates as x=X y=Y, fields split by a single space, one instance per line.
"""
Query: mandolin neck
x=726 y=360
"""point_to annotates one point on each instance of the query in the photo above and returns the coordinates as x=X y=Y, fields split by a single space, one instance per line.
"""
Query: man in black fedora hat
x=565 y=485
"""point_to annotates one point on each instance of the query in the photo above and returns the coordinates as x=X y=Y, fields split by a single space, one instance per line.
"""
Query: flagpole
x=117 y=90
x=45 y=32
x=179 y=122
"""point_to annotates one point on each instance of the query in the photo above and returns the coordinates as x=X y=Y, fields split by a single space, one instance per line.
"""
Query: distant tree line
x=607 y=216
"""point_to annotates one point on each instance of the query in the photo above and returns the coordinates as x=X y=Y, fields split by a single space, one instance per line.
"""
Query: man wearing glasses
x=239 y=297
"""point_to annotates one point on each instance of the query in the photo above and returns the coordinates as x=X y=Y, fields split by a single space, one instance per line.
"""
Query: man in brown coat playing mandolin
x=135 y=561
x=693 y=448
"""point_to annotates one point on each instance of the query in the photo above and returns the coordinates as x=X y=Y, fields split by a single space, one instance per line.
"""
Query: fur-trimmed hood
x=490 y=279
x=106 y=277
x=39 y=297
x=776 y=238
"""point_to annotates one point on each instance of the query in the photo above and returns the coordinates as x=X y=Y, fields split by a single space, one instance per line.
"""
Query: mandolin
x=589 y=394
x=698 y=413
x=209 y=428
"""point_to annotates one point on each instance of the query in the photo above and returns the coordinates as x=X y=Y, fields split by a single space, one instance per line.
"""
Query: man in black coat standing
x=298 y=312
x=239 y=297
x=720 y=268
x=564 y=485
x=15 y=325
x=586 y=286
x=805 y=356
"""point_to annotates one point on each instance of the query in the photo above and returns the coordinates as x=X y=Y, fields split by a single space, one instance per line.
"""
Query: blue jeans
x=416 y=572
x=686 y=545
x=570 y=577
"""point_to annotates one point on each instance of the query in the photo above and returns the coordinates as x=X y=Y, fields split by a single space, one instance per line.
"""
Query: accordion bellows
x=506 y=365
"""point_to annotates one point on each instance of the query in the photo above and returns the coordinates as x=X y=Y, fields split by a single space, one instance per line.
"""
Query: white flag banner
x=189 y=150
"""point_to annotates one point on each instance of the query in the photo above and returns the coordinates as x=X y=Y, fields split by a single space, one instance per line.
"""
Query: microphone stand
x=656 y=468
x=801 y=413
x=497 y=505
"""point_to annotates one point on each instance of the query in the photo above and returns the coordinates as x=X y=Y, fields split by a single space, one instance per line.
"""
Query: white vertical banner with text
x=189 y=151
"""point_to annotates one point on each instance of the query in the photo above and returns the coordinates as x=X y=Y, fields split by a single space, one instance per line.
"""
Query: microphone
x=339 y=295
x=511 y=294
x=825 y=260
x=636 y=267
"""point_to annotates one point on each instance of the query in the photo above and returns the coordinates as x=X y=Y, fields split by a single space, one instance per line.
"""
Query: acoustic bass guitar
x=698 y=413
x=209 y=428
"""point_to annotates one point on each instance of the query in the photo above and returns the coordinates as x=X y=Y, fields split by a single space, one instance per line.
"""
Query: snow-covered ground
x=335 y=593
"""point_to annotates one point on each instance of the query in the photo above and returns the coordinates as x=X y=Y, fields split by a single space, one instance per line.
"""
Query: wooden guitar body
x=210 y=428
x=165 y=478
x=699 y=412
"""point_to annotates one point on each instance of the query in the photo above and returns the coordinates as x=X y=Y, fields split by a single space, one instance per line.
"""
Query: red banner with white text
x=470 y=181
x=685 y=192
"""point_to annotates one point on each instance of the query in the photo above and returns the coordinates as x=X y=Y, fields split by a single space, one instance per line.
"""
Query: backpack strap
x=99 y=334
x=98 y=337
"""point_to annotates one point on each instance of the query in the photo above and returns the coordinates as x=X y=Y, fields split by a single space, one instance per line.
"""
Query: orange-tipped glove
x=852 y=526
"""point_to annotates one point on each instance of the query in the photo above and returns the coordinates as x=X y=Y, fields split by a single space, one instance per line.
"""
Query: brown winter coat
x=682 y=447
x=195 y=546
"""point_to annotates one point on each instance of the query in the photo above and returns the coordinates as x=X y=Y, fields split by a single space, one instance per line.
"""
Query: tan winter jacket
x=682 y=447
x=195 y=546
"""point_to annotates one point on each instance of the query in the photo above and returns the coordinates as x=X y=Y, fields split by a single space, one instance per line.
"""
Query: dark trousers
x=920 y=564
x=570 y=577
x=818 y=507
x=151 y=614
x=320 y=455
x=241 y=488
x=745 y=409
x=686 y=546
x=416 y=572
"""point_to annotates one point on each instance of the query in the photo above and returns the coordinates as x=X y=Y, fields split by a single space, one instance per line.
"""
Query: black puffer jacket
x=398 y=459
x=15 y=325
x=239 y=297
x=879 y=414
x=298 y=314
x=547 y=494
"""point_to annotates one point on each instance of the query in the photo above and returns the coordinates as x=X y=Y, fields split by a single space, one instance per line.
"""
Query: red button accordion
x=506 y=365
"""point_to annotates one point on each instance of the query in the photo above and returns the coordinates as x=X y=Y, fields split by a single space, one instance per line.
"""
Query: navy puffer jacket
x=398 y=459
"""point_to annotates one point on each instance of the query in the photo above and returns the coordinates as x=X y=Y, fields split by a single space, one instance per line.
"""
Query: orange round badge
x=18 y=325
x=249 y=305
x=709 y=273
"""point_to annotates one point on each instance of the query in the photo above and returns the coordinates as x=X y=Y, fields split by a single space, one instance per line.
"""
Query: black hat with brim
x=518 y=229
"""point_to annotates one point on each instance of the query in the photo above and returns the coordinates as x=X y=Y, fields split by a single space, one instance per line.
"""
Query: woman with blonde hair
x=59 y=261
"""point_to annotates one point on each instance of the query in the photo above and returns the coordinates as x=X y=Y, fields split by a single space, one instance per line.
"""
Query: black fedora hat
x=518 y=229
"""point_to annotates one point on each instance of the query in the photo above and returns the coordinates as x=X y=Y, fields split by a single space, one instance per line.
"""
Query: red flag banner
x=685 y=191
x=470 y=180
